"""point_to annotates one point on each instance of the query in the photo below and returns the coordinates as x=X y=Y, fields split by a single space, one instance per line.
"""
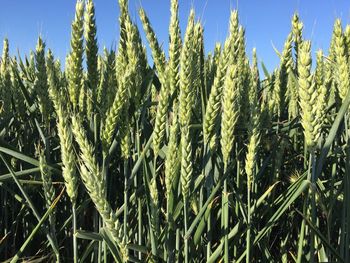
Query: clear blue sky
x=267 y=22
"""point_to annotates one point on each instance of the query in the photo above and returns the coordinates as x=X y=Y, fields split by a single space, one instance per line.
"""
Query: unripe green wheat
x=186 y=162
x=347 y=40
x=297 y=30
x=154 y=207
x=230 y=112
x=134 y=63
x=5 y=59
x=49 y=190
x=75 y=72
x=161 y=117
x=187 y=74
x=214 y=101
x=157 y=53
x=114 y=113
x=94 y=180
x=18 y=104
x=66 y=141
x=229 y=54
x=254 y=124
x=342 y=67
x=255 y=82
x=91 y=50
x=174 y=47
x=172 y=161
x=322 y=80
x=281 y=83
x=308 y=97
x=124 y=135
x=40 y=84
x=46 y=176
x=253 y=144
x=5 y=89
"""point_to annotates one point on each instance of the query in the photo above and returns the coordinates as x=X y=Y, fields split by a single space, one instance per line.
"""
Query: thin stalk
x=95 y=213
x=178 y=241
x=153 y=239
x=75 y=246
x=248 y=223
x=208 y=172
x=238 y=182
x=125 y=201
x=332 y=200
x=345 y=215
x=313 y=205
x=226 y=219
x=139 y=203
x=303 y=223
x=301 y=237
x=209 y=231
x=185 y=230
x=103 y=246
x=170 y=233
x=139 y=224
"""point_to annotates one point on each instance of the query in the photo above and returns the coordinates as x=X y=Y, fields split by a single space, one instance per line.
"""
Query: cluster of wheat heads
x=197 y=158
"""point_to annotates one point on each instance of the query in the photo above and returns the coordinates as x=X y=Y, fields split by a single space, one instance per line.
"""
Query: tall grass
x=197 y=158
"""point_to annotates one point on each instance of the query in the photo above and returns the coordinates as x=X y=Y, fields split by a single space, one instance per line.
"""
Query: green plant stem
x=126 y=210
x=313 y=205
x=305 y=207
x=185 y=230
x=238 y=182
x=226 y=220
x=248 y=224
x=75 y=246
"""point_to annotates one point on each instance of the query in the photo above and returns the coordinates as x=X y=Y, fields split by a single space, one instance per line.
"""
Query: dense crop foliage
x=197 y=158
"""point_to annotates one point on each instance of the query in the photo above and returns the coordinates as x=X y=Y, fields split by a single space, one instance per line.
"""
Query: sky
x=267 y=22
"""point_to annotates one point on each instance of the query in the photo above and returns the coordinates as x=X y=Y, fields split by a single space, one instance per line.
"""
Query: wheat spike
x=307 y=97
x=75 y=68
x=187 y=74
x=91 y=50
x=230 y=112
x=341 y=57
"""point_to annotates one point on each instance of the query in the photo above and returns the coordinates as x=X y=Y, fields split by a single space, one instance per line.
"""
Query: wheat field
x=191 y=156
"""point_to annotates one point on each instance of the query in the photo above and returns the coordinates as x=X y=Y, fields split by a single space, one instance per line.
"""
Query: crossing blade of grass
x=139 y=162
x=25 y=158
x=138 y=248
x=204 y=207
x=24 y=90
x=280 y=200
x=19 y=155
x=321 y=236
x=332 y=135
x=5 y=125
x=82 y=234
x=235 y=230
x=113 y=248
x=36 y=229
x=6 y=177
x=285 y=205
x=87 y=251
x=203 y=223
x=41 y=133
x=30 y=203
x=13 y=193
